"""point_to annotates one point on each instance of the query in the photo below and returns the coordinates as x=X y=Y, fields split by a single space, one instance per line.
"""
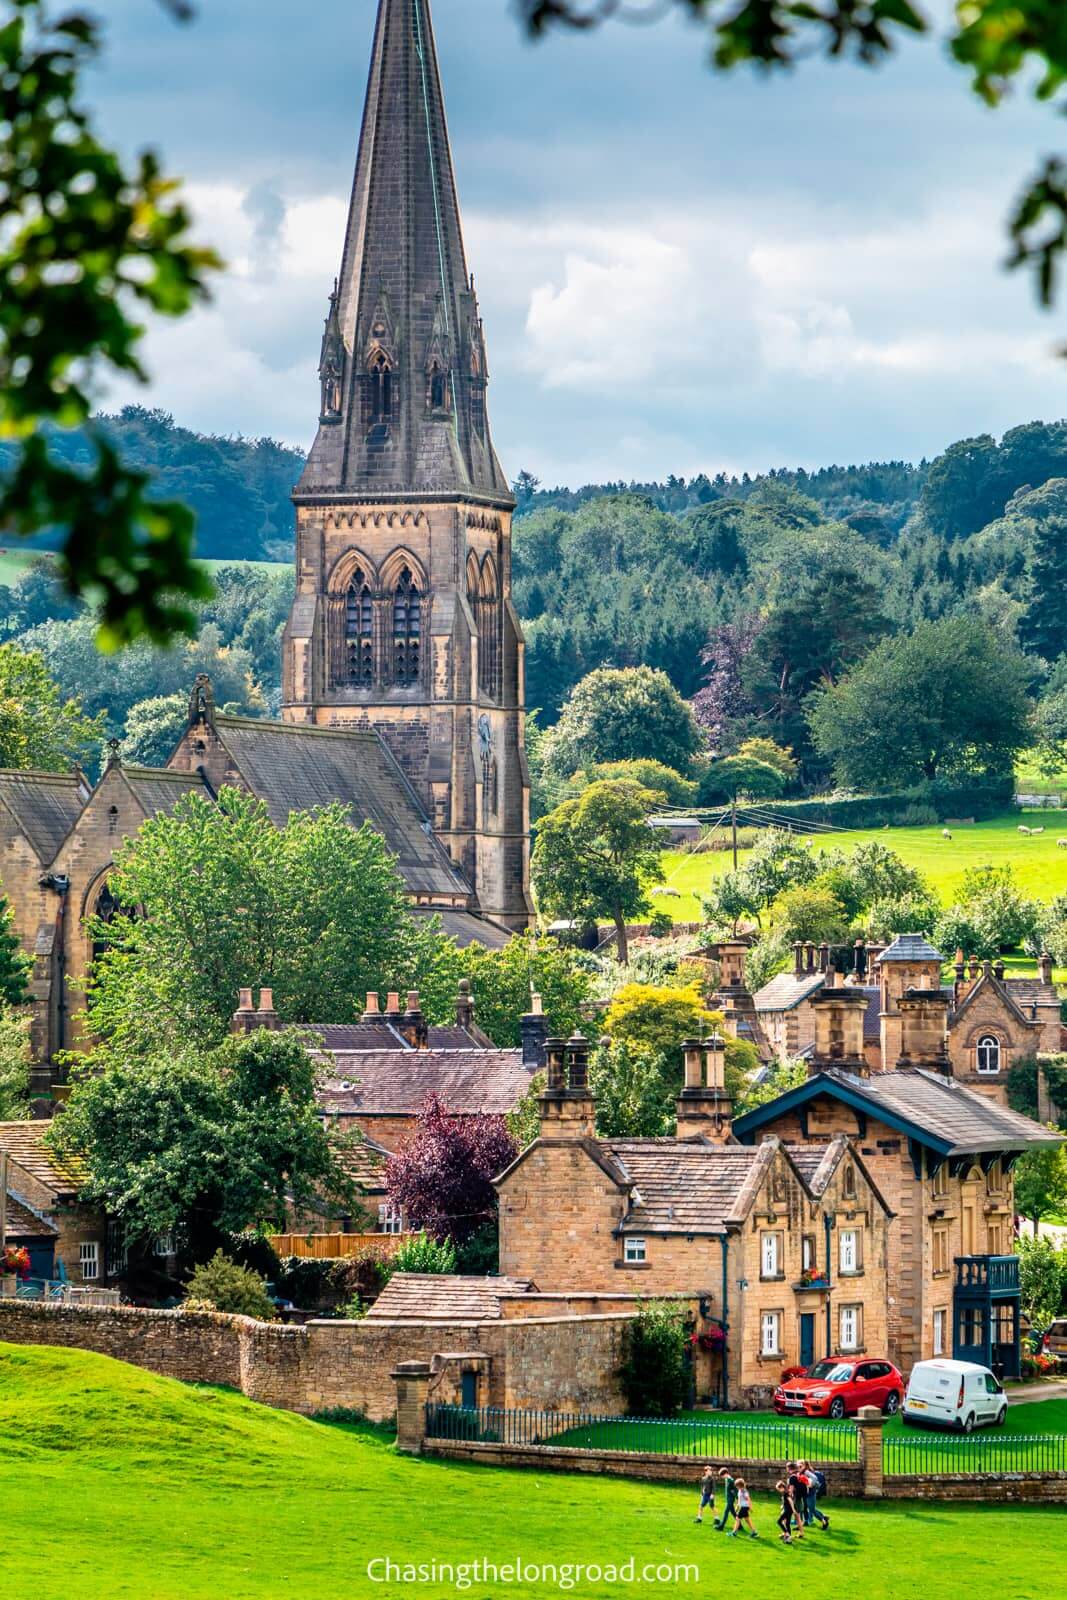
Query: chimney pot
x=413 y=999
x=392 y=1003
x=373 y=1008
x=537 y=1008
x=244 y=1000
x=266 y=999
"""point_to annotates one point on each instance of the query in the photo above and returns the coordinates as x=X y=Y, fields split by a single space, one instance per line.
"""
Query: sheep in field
x=1023 y=828
x=1037 y=830
x=945 y=834
x=1061 y=844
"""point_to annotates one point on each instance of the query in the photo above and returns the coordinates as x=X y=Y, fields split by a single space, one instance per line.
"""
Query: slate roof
x=24 y=1143
x=350 y=1037
x=935 y=1110
x=157 y=789
x=404 y=286
x=45 y=806
x=24 y=1223
x=815 y=1162
x=466 y=928
x=364 y=1162
x=1031 y=992
x=786 y=991
x=396 y=1083
x=910 y=947
x=295 y=768
x=682 y=1187
x=435 y=1297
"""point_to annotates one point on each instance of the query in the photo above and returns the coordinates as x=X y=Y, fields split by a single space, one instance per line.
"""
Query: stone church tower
x=403 y=617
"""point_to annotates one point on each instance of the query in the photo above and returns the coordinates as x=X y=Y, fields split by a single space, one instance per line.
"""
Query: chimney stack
x=413 y=1024
x=704 y=1109
x=798 y=959
x=464 y=1005
x=924 y=1030
x=567 y=1110
x=839 y=1015
x=247 y=1019
x=534 y=1030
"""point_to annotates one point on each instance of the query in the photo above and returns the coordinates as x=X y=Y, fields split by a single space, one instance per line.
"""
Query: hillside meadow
x=119 y=1485
x=1038 y=862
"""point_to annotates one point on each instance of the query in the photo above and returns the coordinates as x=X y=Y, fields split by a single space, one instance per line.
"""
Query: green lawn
x=762 y=1435
x=117 y=1485
x=13 y=563
x=1039 y=864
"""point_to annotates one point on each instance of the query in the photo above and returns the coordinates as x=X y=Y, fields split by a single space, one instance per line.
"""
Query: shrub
x=656 y=1372
x=675 y=789
x=253 y=1250
x=479 y=1255
x=660 y=925
x=306 y=1282
x=917 y=816
x=364 y=1275
x=224 y=1286
x=425 y=1254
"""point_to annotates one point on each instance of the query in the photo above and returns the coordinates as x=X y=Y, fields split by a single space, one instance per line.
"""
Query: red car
x=840 y=1385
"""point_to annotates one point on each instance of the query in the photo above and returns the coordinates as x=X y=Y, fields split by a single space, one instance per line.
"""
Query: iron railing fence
x=717 y=1437
x=972 y=1455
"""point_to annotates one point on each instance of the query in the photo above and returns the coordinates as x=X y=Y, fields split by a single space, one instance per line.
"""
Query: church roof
x=44 y=805
x=158 y=789
x=404 y=296
x=294 y=768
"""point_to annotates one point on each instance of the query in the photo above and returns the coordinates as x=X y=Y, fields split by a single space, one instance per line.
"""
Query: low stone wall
x=1033 y=1487
x=570 y=1362
x=845 y=1479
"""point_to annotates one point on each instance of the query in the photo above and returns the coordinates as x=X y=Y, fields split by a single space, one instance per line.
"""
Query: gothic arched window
x=438 y=390
x=359 y=632
x=407 y=631
x=106 y=909
x=988 y=1055
x=380 y=390
x=488 y=615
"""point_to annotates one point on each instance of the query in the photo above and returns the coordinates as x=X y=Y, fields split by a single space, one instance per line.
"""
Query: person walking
x=815 y=1482
x=798 y=1491
x=743 y=1511
x=787 y=1513
x=729 y=1488
x=707 y=1493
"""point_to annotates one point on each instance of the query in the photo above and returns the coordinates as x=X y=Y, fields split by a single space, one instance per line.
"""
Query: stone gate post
x=412 y=1379
x=869 y=1425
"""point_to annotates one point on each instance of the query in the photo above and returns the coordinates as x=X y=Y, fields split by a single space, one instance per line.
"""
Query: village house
x=65 y=1238
x=940 y=1150
x=783 y=1246
x=990 y=1021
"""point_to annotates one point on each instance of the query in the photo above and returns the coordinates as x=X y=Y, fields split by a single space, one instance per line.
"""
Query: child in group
x=707 y=1492
x=743 y=1513
x=729 y=1485
x=797 y=1484
x=787 y=1513
x=815 y=1484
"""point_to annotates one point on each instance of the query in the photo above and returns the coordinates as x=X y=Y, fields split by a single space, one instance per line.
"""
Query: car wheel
x=837 y=1409
x=892 y=1405
x=967 y=1426
x=1001 y=1418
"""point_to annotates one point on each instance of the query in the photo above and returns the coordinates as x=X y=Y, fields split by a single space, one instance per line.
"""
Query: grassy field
x=13 y=562
x=759 y=1435
x=116 y=1484
x=1039 y=864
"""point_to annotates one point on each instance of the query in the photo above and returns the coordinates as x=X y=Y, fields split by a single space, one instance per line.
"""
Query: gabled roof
x=786 y=991
x=24 y=1143
x=435 y=1297
x=352 y=1037
x=1031 y=991
x=157 y=789
x=23 y=1222
x=936 y=1111
x=364 y=1162
x=682 y=1186
x=295 y=768
x=44 y=806
x=910 y=947
x=397 y=1082
x=817 y=1163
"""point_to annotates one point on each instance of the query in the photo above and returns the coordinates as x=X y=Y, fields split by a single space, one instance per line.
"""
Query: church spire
x=403 y=368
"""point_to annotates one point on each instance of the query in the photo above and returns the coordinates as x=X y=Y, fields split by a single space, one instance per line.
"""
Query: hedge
x=979 y=800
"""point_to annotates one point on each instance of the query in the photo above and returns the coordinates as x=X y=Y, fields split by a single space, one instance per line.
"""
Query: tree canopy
x=38 y=727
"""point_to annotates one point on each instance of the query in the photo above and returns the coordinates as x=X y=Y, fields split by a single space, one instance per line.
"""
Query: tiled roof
x=434 y=1297
x=295 y=768
x=787 y=990
x=940 y=1106
x=467 y=928
x=364 y=1162
x=24 y=1143
x=682 y=1187
x=23 y=1223
x=157 y=790
x=45 y=805
x=810 y=1158
x=357 y=1036
x=397 y=1082
x=910 y=947
x=1031 y=992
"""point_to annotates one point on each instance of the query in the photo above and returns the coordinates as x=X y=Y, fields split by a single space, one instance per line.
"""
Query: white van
x=953 y=1394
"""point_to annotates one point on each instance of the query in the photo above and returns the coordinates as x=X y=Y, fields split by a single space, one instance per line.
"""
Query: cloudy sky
x=679 y=272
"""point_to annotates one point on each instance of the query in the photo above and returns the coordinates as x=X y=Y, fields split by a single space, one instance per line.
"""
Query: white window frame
x=390 y=1218
x=940 y=1329
x=164 y=1245
x=849 y=1259
x=808 y=1253
x=634 y=1252
x=993 y=1051
x=89 y=1260
x=770 y=1338
x=770 y=1265
x=850 y=1317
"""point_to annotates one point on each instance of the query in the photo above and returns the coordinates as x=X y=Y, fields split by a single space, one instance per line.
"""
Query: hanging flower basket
x=15 y=1262
x=711 y=1341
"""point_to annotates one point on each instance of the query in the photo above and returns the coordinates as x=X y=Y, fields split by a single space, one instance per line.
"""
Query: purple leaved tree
x=443 y=1178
